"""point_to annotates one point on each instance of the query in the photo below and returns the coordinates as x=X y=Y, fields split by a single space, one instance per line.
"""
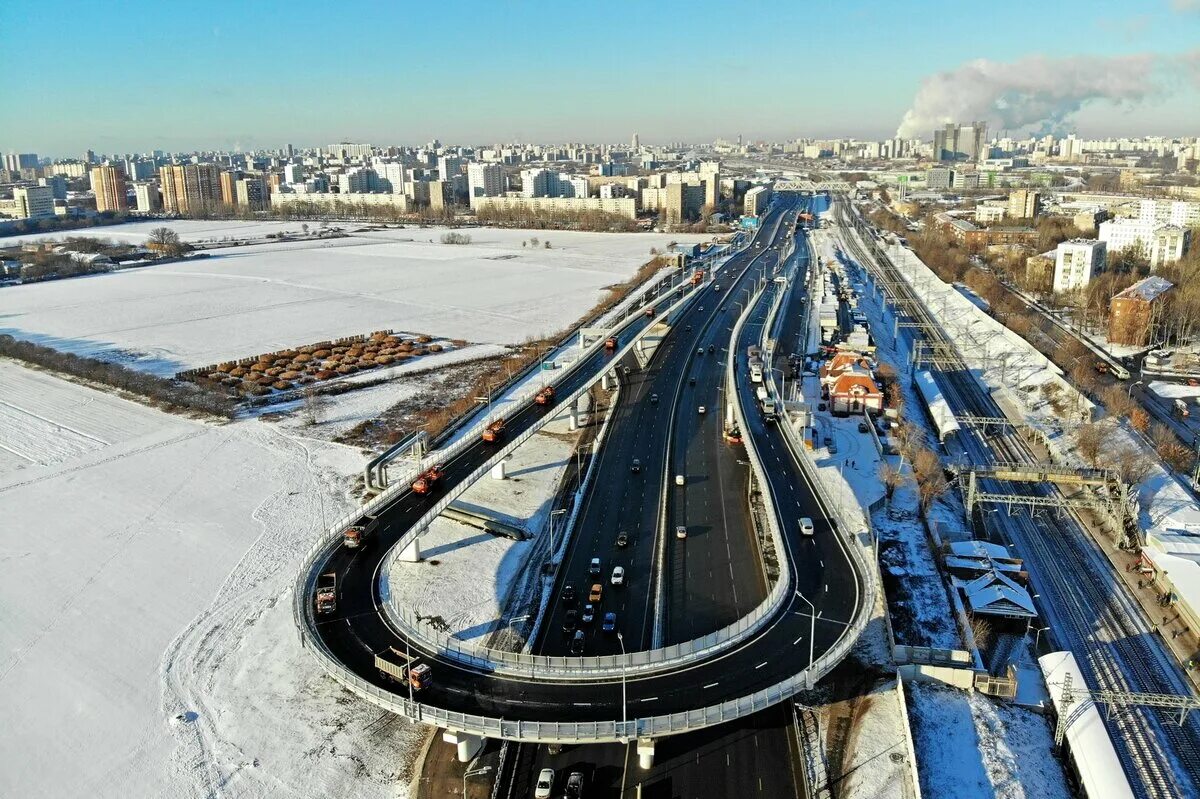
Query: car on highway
x=701 y=409
x=653 y=399
x=712 y=347
x=568 y=593
x=596 y=594
x=589 y=614
x=806 y=525
x=545 y=784
x=681 y=531
x=622 y=539
x=679 y=479
x=570 y=621
x=594 y=567
x=692 y=381
x=862 y=427
x=577 y=646
x=618 y=575
x=636 y=466
x=699 y=350
x=574 y=789
x=610 y=622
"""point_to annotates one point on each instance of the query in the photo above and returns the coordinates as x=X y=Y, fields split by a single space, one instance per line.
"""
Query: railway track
x=1090 y=611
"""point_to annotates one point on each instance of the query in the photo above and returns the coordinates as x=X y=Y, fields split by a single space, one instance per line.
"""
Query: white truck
x=756 y=370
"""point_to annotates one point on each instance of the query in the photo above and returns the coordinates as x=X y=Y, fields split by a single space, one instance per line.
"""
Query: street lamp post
x=476 y=773
x=624 y=697
x=554 y=515
x=812 y=625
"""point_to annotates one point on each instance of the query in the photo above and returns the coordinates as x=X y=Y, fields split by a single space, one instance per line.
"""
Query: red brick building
x=1131 y=313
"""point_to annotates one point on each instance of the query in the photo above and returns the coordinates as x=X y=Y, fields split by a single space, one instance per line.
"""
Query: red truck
x=416 y=674
x=325 y=597
x=545 y=396
x=493 y=432
x=611 y=343
x=353 y=537
x=651 y=312
x=427 y=480
x=697 y=277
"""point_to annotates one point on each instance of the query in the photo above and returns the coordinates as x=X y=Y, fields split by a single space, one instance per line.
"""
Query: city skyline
x=272 y=74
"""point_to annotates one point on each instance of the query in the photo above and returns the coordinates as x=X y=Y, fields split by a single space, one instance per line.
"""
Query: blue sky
x=183 y=75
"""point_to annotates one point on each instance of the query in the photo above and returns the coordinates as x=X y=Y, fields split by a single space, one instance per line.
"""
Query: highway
x=819 y=567
x=1086 y=607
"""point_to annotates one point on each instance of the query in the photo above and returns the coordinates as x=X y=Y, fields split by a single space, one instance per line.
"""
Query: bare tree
x=891 y=477
x=1117 y=401
x=1089 y=440
x=314 y=404
x=1132 y=465
x=1139 y=420
x=166 y=241
x=1175 y=455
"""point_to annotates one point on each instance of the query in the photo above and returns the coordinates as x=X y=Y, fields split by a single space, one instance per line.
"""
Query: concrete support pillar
x=605 y=382
x=645 y=751
x=412 y=552
x=499 y=471
x=468 y=745
x=572 y=422
x=582 y=342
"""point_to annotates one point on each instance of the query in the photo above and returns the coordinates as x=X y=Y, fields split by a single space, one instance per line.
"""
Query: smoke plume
x=1036 y=94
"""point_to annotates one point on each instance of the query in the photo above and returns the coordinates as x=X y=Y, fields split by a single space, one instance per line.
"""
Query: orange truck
x=428 y=479
x=493 y=431
x=610 y=343
x=325 y=597
x=697 y=277
x=545 y=396
x=401 y=668
x=651 y=312
x=353 y=537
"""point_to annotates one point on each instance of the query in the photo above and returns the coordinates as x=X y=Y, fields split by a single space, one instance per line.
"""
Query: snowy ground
x=875 y=763
x=468 y=574
x=249 y=300
x=147 y=645
x=970 y=747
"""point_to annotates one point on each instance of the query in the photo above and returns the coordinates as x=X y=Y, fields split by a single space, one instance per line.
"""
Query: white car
x=701 y=409
x=679 y=479
x=806 y=525
x=618 y=575
x=545 y=784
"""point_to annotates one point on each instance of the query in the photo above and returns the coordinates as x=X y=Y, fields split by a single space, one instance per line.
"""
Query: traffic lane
x=749 y=757
x=632 y=616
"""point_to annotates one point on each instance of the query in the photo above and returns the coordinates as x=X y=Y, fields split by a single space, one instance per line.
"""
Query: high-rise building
x=15 y=162
x=229 y=181
x=293 y=173
x=360 y=180
x=108 y=182
x=957 y=142
x=34 y=202
x=57 y=184
x=712 y=188
x=635 y=144
x=188 y=188
x=252 y=194
x=484 y=180
x=449 y=166
x=146 y=197
x=538 y=183
x=1023 y=204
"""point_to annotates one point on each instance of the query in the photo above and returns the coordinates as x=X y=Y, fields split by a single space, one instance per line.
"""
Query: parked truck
x=326 y=595
x=545 y=396
x=399 y=667
x=427 y=480
x=353 y=536
x=493 y=432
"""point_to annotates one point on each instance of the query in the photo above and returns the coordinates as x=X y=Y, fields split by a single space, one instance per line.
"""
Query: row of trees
x=526 y=216
x=172 y=394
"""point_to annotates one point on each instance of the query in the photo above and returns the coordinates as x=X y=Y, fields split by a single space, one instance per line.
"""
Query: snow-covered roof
x=1148 y=289
x=978 y=549
x=997 y=594
x=855 y=382
x=980 y=564
x=939 y=410
x=1095 y=759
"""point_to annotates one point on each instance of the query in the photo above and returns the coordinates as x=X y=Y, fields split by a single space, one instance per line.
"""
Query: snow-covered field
x=146 y=644
x=970 y=747
x=248 y=300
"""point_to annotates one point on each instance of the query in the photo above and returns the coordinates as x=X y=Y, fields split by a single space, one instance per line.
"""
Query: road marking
x=649 y=699
x=582 y=704
x=797 y=640
x=827 y=588
x=760 y=665
x=711 y=685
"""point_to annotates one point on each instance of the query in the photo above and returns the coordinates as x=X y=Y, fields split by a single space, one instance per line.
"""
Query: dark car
x=577 y=643
x=589 y=614
x=570 y=621
x=653 y=399
x=568 y=593
x=692 y=382
x=712 y=347
x=610 y=622
x=622 y=539
x=862 y=427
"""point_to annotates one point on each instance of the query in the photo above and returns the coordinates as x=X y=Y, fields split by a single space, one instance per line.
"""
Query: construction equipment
x=493 y=432
x=697 y=277
x=326 y=593
x=545 y=396
x=418 y=675
x=353 y=537
x=427 y=480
